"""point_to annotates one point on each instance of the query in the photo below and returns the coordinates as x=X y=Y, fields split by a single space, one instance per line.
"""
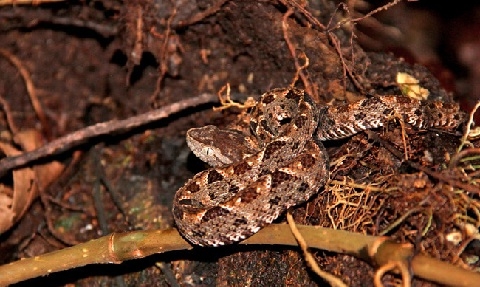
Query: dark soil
x=94 y=61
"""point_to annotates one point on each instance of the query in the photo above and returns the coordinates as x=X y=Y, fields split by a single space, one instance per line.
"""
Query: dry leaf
x=24 y=191
x=410 y=87
x=44 y=173
x=27 y=182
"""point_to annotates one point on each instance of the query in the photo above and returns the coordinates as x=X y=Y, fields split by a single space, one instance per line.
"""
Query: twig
x=163 y=53
x=166 y=269
x=305 y=13
x=369 y=14
x=8 y=116
x=391 y=266
x=299 y=68
x=468 y=126
x=347 y=69
x=226 y=101
x=333 y=39
x=361 y=186
x=29 y=2
x=104 y=30
x=97 y=194
x=37 y=107
x=456 y=159
x=79 y=137
x=100 y=207
x=202 y=15
x=330 y=278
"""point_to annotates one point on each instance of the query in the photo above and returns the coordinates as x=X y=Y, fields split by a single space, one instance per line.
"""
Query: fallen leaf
x=28 y=182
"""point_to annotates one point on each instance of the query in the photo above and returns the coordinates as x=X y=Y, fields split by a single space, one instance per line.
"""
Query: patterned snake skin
x=282 y=163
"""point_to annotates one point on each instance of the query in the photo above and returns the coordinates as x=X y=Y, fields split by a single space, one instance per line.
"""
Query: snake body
x=282 y=163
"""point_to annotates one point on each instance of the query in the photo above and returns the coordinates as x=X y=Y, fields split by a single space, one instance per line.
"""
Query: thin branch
x=26 y=2
x=79 y=137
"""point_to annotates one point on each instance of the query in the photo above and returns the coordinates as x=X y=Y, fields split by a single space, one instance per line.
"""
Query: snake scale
x=282 y=162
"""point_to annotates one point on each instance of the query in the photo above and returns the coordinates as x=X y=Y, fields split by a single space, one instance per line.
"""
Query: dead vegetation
x=67 y=66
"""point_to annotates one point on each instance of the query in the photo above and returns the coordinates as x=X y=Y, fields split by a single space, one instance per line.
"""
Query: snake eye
x=282 y=116
x=192 y=203
x=285 y=121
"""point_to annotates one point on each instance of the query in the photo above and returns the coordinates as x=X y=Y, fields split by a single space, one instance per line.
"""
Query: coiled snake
x=256 y=177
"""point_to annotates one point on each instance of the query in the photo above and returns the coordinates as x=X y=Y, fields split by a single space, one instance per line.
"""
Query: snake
x=280 y=162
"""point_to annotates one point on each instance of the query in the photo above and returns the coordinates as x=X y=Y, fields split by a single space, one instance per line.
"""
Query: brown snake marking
x=282 y=163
